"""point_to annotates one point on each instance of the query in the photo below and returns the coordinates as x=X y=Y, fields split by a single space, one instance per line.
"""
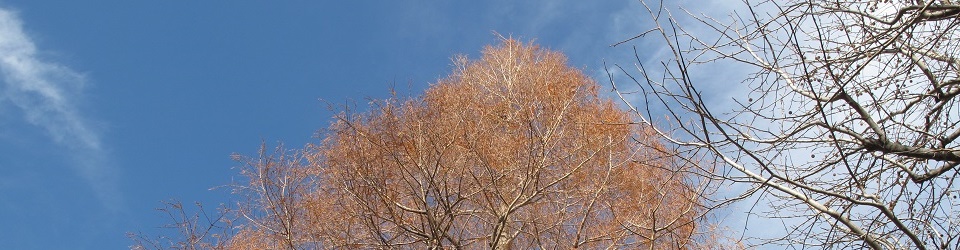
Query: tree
x=515 y=150
x=199 y=230
x=849 y=124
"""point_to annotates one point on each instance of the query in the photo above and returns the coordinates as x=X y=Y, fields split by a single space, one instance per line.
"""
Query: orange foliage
x=514 y=150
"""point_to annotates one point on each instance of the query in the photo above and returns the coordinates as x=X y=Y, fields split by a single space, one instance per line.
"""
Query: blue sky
x=108 y=108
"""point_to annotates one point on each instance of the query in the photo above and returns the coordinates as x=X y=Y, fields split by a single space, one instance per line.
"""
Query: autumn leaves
x=515 y=150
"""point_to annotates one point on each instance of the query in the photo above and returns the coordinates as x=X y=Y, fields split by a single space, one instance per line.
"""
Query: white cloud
x=47 y=94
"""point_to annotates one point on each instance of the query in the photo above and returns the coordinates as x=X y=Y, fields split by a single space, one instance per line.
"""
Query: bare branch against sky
x=848 y=127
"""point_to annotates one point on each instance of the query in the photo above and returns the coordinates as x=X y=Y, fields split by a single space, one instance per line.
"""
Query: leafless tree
x=276 y=184
x=200 y=230
x=847 y=126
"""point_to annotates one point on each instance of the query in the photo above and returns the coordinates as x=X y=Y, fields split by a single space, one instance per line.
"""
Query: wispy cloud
x=48 y=93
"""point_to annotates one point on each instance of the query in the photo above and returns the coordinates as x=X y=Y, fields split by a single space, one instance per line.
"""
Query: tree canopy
x=514 y=150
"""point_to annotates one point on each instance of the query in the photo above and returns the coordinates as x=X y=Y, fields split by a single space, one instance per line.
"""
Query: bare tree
x=277 y=182
x=199 y=230
x=847 y=126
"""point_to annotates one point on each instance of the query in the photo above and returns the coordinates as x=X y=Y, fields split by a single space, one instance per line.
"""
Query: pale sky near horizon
x=108 y=108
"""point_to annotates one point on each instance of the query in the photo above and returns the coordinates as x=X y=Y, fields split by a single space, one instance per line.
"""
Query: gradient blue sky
x=108 y=108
